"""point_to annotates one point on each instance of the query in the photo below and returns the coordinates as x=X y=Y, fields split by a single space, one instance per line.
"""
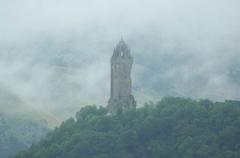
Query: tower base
x=122 y=104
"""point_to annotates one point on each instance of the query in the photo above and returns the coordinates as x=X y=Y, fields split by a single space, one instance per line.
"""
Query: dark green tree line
x=172 y=128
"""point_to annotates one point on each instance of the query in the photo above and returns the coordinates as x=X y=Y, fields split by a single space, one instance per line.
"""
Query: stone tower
x=121 y=98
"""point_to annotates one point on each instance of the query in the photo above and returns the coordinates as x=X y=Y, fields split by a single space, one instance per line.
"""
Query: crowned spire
x=121 y=49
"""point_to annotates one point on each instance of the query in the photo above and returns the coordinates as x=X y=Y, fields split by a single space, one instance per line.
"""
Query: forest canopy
x=172 y=128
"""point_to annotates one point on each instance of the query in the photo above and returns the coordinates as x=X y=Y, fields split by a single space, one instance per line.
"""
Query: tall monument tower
x=121 y=98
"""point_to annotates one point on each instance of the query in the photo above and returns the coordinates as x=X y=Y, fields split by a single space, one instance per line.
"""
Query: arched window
x=121 y=54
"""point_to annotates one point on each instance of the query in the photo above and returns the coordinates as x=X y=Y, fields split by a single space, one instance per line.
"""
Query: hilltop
x=171 y=128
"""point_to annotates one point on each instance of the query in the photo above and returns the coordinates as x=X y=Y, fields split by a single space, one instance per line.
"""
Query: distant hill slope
x=18 y=133
x=20 y=125
x=172 y=128
x=13 y=106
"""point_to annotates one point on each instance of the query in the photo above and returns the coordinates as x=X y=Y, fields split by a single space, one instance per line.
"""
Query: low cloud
x=54 y=55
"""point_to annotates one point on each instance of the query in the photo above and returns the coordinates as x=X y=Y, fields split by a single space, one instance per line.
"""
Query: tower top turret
x=121 y=50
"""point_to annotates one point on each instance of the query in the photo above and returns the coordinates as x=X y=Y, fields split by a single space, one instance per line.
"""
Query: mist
x=55 y=54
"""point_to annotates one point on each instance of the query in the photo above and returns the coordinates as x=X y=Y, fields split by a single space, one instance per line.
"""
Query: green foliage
x=172 y=128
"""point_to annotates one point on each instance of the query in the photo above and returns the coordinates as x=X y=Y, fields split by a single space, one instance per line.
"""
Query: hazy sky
x=54 y=54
